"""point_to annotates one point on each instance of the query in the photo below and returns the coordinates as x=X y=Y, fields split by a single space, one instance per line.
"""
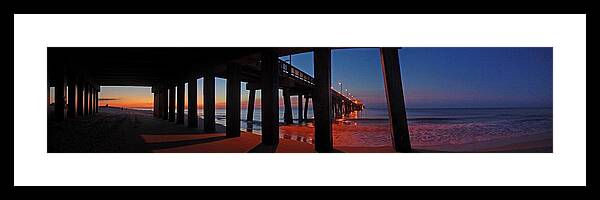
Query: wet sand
x=347 y=135
x=522 y=144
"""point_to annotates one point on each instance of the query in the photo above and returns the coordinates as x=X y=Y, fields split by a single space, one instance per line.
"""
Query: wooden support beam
x=92 y=101
x=193 y=103
x=93 y=109
x=300 y=110
x=209 y=103
x=165 y=103
x=322 y=100
x=80 y=98
x=180 y=103
x=395 y=99
x=97 y=99
x=159 y=103
x=287 y=102
x=92 y=93
x=269 y=97
x=233 y=102
x=251 y=98
x=72 y=98
x=86 y=96
x=89 y=99
x=334 y=107
x=306 y=108
x=172 y=104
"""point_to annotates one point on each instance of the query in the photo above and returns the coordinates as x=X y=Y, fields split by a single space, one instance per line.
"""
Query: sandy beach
x=129 y=131
x=113 y=130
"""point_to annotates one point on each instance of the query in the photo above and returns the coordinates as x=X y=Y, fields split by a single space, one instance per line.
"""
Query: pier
x=77 y=73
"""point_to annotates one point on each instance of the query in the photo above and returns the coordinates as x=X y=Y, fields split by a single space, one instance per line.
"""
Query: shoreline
x=521 y=144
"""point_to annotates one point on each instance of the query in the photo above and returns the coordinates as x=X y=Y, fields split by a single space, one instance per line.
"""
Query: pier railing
x=294 y=72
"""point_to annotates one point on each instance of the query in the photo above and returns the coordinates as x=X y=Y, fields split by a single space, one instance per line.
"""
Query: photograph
x=299 y=100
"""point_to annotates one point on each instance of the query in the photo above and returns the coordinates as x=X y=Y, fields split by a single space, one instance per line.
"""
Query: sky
x=432 y=78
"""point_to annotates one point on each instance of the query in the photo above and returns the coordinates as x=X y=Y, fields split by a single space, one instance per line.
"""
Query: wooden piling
x=269 y=97
x=395 y=99
x=233 y=101
x=322 y=100
x=180 y=103
x=287 y=102
x=193 y=103
x=172 y=104
x=208 y=92
x=251 y=98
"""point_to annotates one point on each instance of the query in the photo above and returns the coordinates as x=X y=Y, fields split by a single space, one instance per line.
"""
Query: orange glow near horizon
x=129 y=97
x=142 y=97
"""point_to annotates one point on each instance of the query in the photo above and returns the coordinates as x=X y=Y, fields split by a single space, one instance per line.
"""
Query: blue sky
x=447 y=77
